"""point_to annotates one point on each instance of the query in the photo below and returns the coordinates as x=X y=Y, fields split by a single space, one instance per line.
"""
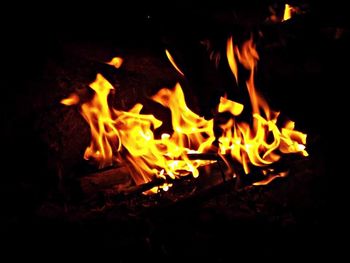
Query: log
x=120 y=180
x=105 y=179
x=205 y=181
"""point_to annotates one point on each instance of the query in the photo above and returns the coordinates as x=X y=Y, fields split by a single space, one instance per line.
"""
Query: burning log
x=182 y=188
x=120 y=181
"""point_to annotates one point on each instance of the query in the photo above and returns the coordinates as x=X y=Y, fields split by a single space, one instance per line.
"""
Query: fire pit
x=178 y=144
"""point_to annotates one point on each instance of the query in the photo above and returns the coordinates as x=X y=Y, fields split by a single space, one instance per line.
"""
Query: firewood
x=100 y=180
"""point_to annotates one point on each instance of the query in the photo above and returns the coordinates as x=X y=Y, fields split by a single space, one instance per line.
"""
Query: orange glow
x=71 y=100
x=172 y=61
x=115 y=62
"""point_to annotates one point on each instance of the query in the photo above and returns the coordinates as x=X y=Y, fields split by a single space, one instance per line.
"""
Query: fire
x=104 y=135
x=129 y=136
x=71 y=100
x=172 y=61
x=262 y=142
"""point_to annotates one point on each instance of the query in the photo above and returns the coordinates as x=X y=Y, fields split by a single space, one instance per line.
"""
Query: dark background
x=309 y=65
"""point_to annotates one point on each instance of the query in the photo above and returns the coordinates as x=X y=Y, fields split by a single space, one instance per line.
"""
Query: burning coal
x=129 y=136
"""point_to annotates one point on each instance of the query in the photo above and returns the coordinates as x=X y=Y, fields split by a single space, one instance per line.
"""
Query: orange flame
x=172 y=61
x=71 y=100
x=270 y=178
x=231 y=58
x=115 y=62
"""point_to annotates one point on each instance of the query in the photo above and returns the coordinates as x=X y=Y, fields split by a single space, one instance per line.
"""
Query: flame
x=261 y=142
x=270 y=178
x=289 y=11
x=104 y=135
x=129 y=136
x=234 y=108
x=116 y=62
x=71 y=100
x=231 y=58
x=190 y=130
x=172 y=61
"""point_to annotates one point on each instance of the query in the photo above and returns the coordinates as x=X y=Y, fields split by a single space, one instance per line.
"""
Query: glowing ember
x=115 y=62
x=128 y=136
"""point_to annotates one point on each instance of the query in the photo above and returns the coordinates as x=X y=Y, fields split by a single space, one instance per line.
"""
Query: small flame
x=288 y=12
x=172 y=61
x=270 y=178
x=234 y=108
x=71 y=100
x=231 y=58
x=116 y=62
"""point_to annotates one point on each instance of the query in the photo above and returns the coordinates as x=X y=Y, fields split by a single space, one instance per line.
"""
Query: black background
x=33 y=34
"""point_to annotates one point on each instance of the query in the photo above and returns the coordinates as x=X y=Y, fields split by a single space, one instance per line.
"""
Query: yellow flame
x=191 y=132
x=128 y=136
x=71 y=100
x=104 y=134
x=172 y=61
x=234 y=108
x=231 y=58
x=116 y=62
x=270 y=178
x=261 y=143
x=287 y=12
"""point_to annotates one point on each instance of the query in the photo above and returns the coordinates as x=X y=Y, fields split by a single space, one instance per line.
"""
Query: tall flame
x=104 y=134
x=71 y=100
x=258 y=144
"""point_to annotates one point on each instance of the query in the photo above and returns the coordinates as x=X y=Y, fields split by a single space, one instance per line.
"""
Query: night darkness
x=51 y=51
